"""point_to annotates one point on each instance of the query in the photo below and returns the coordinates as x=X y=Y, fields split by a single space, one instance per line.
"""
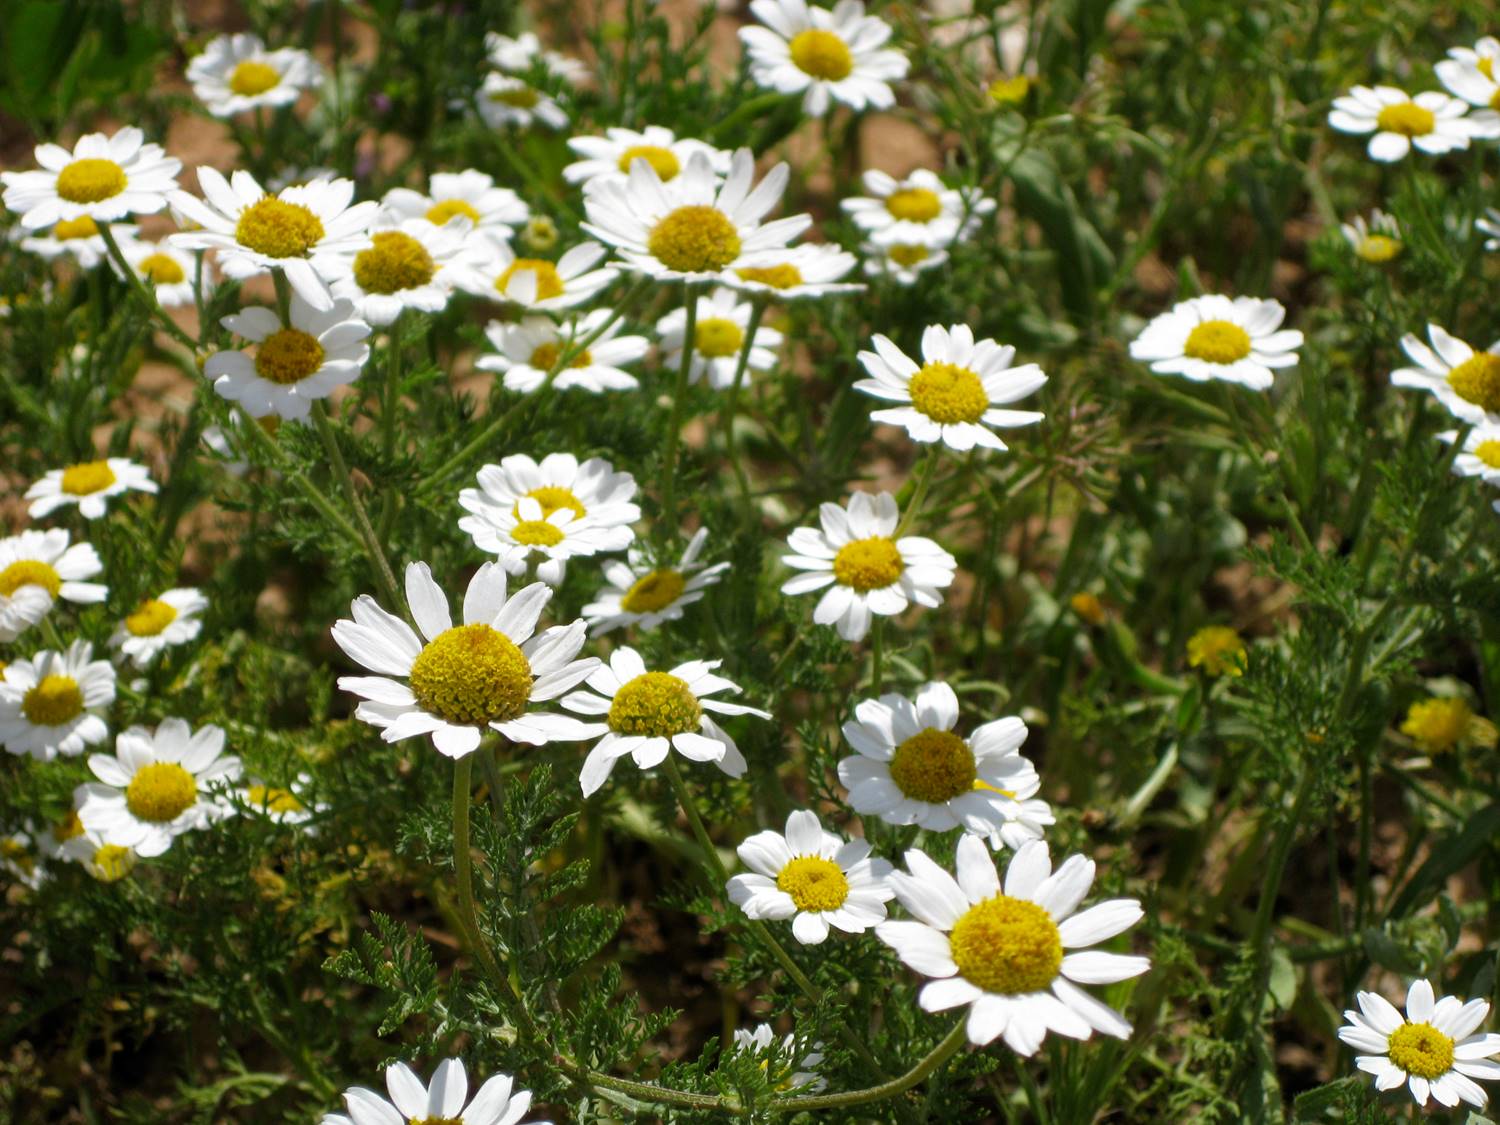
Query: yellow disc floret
x=717 y=337
x=1378 y=248
x=784 y=276
x=1477 y=380
x=1488 y=453
x=161 y=792
x=394 y=261
x=87 y=478
x=656 y=705
x=273 y=800
x=29 y=572
x=1439 y=724
x=1407 y=118
x=554 y=498
x=1218 y=650
x=1217 y=341
x=694 y=239
x=278 y=229
x=252 y=77
x=517 y=97
x=69 y=229
x=653 y=592
x=161 y=269
x=68 y=827
x=288 y=356
x=815 y=883
x=948 y=393
x=549 y=282
x=868 y=564
x=53 y=701
x=908 y=254
x=1009 y=91
x=111 y=863
x=663 y=160
x=933 y=766
x=537 y=533
x=447 y=209
x=1007 y=946
x=471 y=675
x=1422 y=1050
x=821 y=54
x=90 y=181
x=150 y=618
x=915 y=205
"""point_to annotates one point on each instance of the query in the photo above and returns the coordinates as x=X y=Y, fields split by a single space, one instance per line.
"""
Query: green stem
x=311 y=491
x=924 y=482
x=463 y=871
x=732 y=400
x=383 y=574
x=668 y=521
x=144 y=295
x=924 y=1067
x=877 y=654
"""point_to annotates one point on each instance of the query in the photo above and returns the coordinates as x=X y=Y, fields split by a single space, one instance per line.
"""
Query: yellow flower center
x=1088 y=606
x=1377 y=248
x=1407 y=118
x=553 y=498
x=1495 y=99
x=1217 y=341
x=252 y=77
x=933 y=766
x=821 y=54
x=437 y=1121
x=90 y=181
x=1218 y=650
x=87 y=478
x=1489 y=453
x=395 y=261
x=277 y=229
x=161 y=792
x=1486 y=65
x=815 y=883
x=661 y=159
x=1438 y=725
x=654 y=704
x=70 y=229
x=868 y=564
x=288 y=356
x=273 y=800
x=112 y=863
x=1477 y=380
x=53 y=701
x=17 y=853
x=694 y=240
x=29 y=572
x=548 y=283
x=160 y=269
x=471 y=675
x=518 y=97
x=908 y=254
x=444 y=210
x=68 y=827
x=544 y=358
x=1010 y=91
x=717 y=337
x=783 y=276
x=1007 y=946
x=948 y=393
x=915 y=205
x=537 y=533
x=654 y=591
x=150 y=618
x=1421 y=1049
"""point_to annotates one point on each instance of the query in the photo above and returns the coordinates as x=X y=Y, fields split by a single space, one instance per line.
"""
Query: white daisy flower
x=538 y=284
x=167 y=271
x=808 y=270
x=954 y=396
x=718 y=336
x=519 y=54
x=607 y=159
x=1469 y=73
x=21 y=857
x=39 y=568
x=814 y=878
x=236 y=73
x=285 y=804
x=558 y=509
x=469 y=195
x=50 y=704
x=1377 y=240
x=1479 y=456
x=505 y=101
x=465 y=679
x=1464 y=380
x=1007 y=954
x=647 y=714
x=1431 y=122
x=78 y=239
x=89 y=484
x=787 y=1076
x=911 y=768
x=902 y=262
x=526 y=350
x=445 y=1102
x=307 y=232
x=109 y=863
x=103 y=178
x=691 y=228
x=827 y=56
x=1203 y=338
x=1484 y=55
x=919 y=210
x=1436 y=1050
x=294 y=364
x=643 y=595
x=158 y=624
x=52 y=842
x=1490 y=225
x=868 y=571
x=414 y=265
x=156 y=786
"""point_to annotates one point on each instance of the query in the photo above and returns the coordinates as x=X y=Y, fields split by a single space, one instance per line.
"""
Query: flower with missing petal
x=168 y=272
x=1376 y=240
x=103 y=179
x=788 y=1058
x=643 y=595
x=902 y=262
x=808 y=270
x=78 y=239
x=89 y=484
x=528 y=349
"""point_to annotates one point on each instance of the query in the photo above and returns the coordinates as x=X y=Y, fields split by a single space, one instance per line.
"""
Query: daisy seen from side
x=469 y=195
x=784 y=1062
x=902 y=262
x=526 y=351
x=719 y=330
x=1237 y=340
x=607 y=159
x=537 y=283
x=1376 y=240
x=167 y=271
x=51 y=703
x=506 y=102
x=106 y=862
x=88 y=484
x=644 y=596
x=445 y=1101
x=78 y=239
x=808 y=270
x=37 y=570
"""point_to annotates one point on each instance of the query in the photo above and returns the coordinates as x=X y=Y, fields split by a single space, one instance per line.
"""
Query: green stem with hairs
x=924 y=482
x=144 y=295
x=668 y=523
x=383 y=574
x=314 y=495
